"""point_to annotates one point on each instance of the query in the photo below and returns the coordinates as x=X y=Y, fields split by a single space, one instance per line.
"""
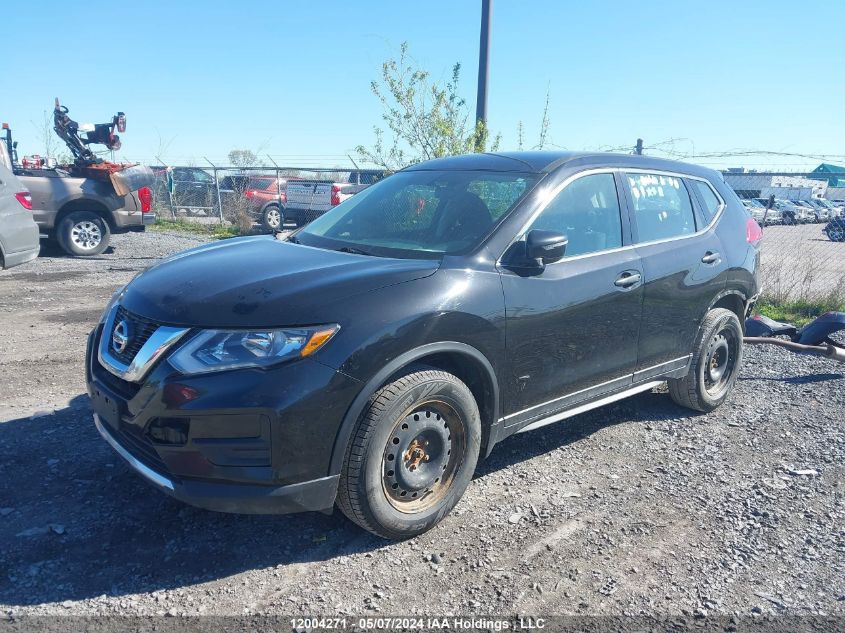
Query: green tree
x=425 y=119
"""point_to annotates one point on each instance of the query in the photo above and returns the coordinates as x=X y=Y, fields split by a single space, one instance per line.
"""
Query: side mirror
x=545 y=247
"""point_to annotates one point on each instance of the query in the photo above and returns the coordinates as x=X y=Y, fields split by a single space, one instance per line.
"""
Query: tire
x=273 y=219
x=836 y=234
x=716 y=361
x=426 y=422
x=789 y=220
x=83 y=233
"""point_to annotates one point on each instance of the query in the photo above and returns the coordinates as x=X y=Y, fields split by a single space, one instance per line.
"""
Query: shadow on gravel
x=797 y=380
x=640 y=409
x=77 y=523
x=51 y=248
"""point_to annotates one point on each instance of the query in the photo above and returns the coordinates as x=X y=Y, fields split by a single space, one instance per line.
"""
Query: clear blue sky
x=200 y=78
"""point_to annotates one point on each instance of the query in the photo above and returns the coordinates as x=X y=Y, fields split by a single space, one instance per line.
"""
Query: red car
x=265 y=193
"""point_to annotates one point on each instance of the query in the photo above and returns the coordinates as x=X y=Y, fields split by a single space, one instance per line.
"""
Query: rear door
x=572 y=327
x=683 y=262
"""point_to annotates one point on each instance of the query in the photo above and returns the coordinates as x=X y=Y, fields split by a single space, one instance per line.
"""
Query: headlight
x=219 y=350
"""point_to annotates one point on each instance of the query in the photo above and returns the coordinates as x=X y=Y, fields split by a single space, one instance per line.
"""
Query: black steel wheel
x=422 y=456
x=722 y=353
x=714 y=367
x=412 y=454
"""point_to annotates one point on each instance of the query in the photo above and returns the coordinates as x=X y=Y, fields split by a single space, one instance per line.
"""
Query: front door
x=572 y=327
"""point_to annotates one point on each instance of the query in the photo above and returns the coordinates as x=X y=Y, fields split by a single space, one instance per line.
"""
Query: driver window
x=587 y=212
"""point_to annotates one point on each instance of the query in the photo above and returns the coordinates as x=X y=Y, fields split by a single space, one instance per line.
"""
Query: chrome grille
x=140 y=329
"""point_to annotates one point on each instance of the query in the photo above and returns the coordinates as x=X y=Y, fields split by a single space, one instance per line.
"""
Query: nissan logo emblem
x=120 y=337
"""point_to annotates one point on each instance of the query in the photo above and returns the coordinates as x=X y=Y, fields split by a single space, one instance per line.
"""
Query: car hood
x=259 y=282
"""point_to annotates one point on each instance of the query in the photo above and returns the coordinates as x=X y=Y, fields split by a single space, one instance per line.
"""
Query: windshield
x=420 y=214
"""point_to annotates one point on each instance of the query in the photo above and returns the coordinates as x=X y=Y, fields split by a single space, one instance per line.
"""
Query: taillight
x=250 y=193
x=753 y=232
x=335 y=195
x=25 y=199
x=145 y=195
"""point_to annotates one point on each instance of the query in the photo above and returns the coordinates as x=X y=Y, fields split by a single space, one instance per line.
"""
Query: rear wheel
x=716 y=361
x=412 y=454
x=273 y=219
x=83 y=233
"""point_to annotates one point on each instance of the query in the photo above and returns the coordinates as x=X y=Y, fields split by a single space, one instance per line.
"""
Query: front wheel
x=412 y=455
x=716 y=361
x=83 y=233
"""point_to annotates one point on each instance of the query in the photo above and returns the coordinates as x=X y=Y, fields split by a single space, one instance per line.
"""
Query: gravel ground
x=635 y=508
x=800 y=261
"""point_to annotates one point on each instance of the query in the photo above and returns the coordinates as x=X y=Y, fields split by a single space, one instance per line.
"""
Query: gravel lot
x=635 y=508
x=800 y=261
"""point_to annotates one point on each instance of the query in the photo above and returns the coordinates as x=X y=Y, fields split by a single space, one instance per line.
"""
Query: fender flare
x=347 y=426
x=97 y=206
x=272 y=203
x=721 y=295
x=725 y=293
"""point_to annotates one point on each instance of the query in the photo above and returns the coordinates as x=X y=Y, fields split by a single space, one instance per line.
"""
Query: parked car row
x=791 y=212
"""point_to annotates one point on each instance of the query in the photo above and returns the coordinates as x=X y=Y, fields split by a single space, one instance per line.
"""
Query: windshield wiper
x=293 y=239
x=354 y=250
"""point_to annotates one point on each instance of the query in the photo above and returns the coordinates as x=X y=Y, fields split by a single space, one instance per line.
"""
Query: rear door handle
x=627 y=279
x=710 y=257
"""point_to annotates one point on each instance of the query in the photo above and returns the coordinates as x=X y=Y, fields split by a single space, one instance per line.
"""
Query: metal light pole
x=483 y=71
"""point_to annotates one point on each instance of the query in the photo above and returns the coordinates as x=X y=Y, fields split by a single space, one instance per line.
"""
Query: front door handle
x=627 y=279
x=710 y=257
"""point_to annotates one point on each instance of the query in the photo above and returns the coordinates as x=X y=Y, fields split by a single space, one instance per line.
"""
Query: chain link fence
x=803 y=215
x=251 y=197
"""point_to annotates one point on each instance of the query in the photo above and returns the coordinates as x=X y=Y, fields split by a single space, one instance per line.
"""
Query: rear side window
x=708 y=198
x=587 y=212
x=662 y=207
x=260 y=183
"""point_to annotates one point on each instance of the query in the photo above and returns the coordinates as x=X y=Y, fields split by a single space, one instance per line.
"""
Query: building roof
x=827 y=168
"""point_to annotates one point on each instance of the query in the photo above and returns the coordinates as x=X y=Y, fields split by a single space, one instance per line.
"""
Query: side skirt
x=621 y=395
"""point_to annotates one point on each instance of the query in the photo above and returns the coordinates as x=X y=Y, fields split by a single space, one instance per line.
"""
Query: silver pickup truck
x=306 y=200
x=82 y=213
x=81 y=210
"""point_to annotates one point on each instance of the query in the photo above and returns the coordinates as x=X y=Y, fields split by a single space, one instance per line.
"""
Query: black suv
x=370 y=358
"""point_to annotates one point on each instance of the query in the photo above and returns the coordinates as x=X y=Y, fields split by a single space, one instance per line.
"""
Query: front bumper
x=244 y=441
x=317 y=494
